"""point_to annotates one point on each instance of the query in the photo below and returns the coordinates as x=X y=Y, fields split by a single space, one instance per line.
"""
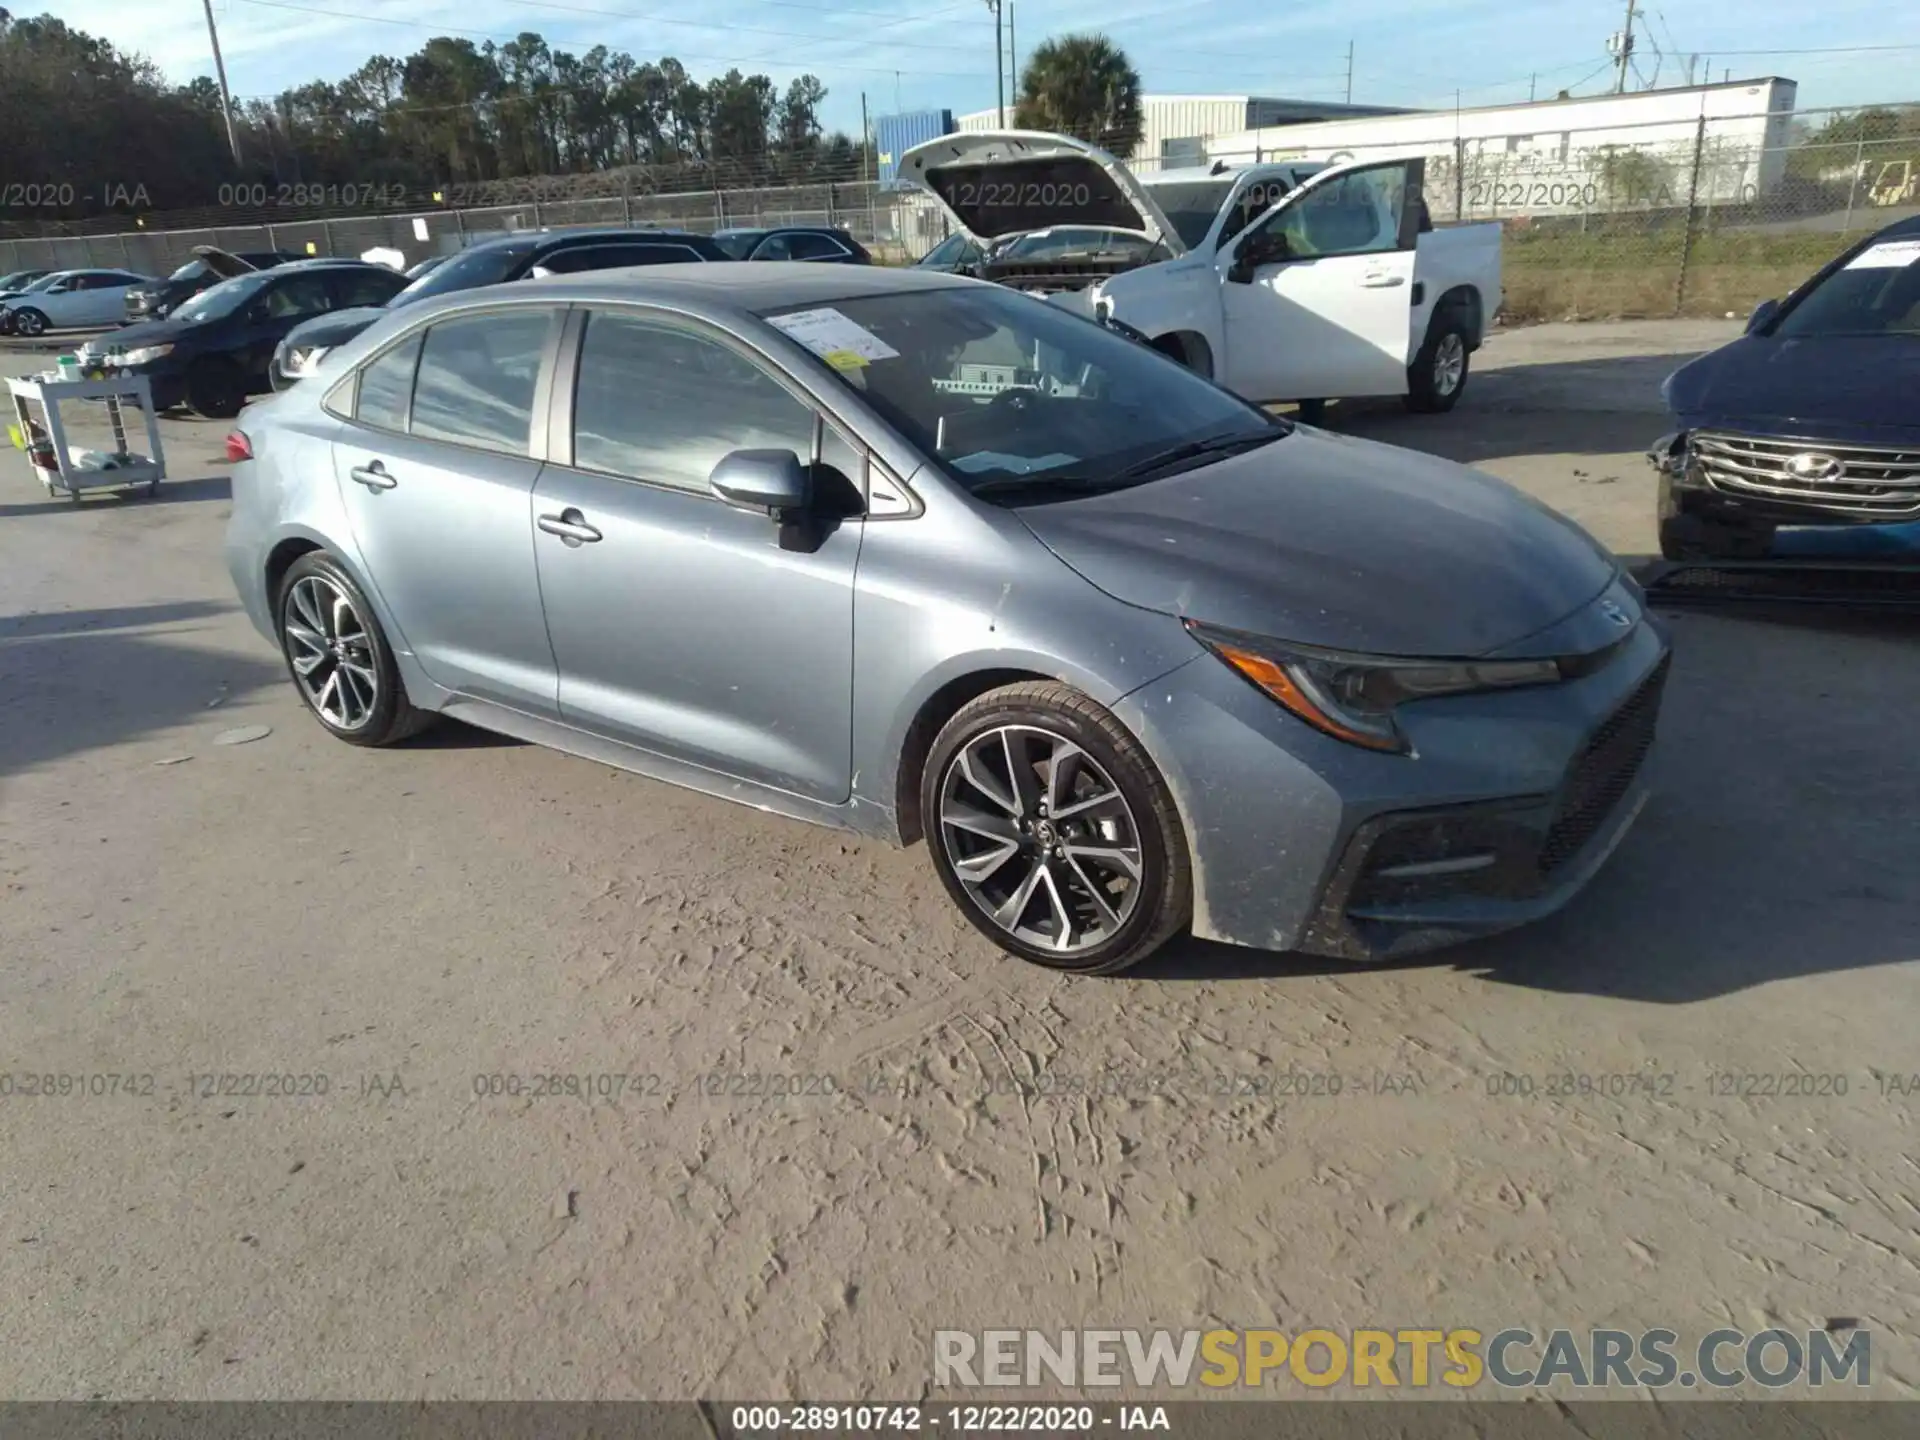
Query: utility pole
x=1013 y=65
x=220 y=69
x=1349 y=72
x=999 y=58
x=1533 y=82
x=1623 y=53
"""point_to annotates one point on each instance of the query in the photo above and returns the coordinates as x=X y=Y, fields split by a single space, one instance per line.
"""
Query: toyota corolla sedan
x=925 y=558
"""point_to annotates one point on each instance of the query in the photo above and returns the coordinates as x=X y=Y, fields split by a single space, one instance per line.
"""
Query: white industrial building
x=1174 y=124
x=1604 y=152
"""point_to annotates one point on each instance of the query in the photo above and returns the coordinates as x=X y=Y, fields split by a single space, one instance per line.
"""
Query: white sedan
x=70 y=299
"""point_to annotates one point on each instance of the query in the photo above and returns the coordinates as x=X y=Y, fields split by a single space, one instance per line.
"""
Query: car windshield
x=1190 y=206
x=738 y=243
x=220 y=300
x=17 y=280
x=1019 y=399
x=47 y=282
x=1875 y=293
x=950 y=251
x=488 y=265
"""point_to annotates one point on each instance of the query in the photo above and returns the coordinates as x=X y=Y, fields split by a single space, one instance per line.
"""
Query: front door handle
x=373 y=475
x=571 y=526
x=1383 y=282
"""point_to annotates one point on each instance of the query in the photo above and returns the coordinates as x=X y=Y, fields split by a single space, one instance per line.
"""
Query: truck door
x=1317 y=295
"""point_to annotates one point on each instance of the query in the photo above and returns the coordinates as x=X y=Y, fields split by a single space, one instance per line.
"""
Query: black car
x=958 y=254
x=494 y=262
x=208 y=267
x=213 y=352
x=1810 y=419
x=824 y=244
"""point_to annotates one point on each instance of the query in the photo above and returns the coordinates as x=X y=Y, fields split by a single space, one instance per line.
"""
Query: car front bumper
x=1509 y=805
x=1745 y=477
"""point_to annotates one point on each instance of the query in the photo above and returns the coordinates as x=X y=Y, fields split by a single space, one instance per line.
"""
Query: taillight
x=238 y=446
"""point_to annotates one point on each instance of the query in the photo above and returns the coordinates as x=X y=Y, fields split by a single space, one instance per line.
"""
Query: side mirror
x=1262 y=247
x=771 y=481
x=1762 y=316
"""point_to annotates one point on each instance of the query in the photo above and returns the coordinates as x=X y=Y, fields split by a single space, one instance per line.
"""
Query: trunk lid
x=223 y=263
x=998 y=183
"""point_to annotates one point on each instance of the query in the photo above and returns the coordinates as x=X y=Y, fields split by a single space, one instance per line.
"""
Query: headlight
x=146 y=354
x=303 y=360
x=1353 y=697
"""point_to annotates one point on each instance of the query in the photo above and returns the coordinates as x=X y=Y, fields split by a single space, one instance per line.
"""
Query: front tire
x=1438 y=375
x=1053 y=832
x=338 y=656
x=216 y=389
x=29 y=322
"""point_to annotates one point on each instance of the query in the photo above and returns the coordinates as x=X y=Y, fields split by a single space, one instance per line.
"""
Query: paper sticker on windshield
x=827 y=333
x=846 y=360
x=1887 y=255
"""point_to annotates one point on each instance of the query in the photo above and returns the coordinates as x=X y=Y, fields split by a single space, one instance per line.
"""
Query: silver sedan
x=928 y=559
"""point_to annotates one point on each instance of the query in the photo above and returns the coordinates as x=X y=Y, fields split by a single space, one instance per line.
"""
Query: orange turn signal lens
x=1273 y=678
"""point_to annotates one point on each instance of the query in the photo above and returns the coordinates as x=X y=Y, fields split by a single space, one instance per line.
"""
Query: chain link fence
x=1699 y=216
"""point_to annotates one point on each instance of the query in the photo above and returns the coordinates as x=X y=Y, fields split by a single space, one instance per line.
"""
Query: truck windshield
x=1190 y=206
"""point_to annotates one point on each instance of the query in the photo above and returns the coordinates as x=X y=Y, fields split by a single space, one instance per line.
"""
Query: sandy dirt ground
x=391 y=927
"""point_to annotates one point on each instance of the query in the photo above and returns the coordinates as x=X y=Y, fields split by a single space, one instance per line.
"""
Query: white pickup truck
x=1282 y=282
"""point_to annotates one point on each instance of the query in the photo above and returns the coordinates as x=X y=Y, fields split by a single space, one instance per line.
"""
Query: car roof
x=541 y=239
x=739 y=289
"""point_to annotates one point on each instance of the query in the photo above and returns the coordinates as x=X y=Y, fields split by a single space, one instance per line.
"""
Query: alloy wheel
x=1040 y=838
x=1449 y=363
x=330 y=648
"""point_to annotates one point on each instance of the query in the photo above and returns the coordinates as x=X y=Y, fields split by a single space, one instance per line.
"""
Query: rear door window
x=386 y=387
x=817 y=247
x=477 y=378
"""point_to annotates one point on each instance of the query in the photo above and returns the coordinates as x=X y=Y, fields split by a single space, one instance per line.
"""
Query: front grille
x=1599 y=779
x=1869 y=482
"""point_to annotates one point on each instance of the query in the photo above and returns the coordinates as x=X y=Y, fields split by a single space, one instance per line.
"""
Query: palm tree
x=1084 y=86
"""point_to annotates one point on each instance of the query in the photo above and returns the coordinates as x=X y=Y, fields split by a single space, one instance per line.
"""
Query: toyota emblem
x=1815 y=466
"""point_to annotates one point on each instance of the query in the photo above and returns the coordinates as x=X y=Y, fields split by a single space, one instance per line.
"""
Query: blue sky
x=935 y=53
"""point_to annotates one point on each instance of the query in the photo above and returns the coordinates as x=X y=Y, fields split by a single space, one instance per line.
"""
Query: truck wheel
x=1439 y=372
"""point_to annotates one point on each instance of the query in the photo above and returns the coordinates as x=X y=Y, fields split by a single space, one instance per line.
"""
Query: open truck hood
x=998 y=183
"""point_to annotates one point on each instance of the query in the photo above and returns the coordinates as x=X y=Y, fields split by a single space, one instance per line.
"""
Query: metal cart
x=44 y=438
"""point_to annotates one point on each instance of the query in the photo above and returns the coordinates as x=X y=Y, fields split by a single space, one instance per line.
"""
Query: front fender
x=1173 y=297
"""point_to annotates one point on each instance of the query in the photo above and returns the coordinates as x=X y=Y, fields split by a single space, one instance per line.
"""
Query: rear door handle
x=571 y=526
x=1383 y=282
x=373 y=475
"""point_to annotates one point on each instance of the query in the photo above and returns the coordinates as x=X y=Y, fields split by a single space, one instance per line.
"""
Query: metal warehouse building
x=1177 y=125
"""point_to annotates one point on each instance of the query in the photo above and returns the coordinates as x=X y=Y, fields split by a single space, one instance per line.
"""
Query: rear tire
x=216 y=389
x=338 y=657
x=1438 y=375
x=1053 y=832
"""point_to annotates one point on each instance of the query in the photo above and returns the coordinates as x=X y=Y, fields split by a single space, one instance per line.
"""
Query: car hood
x=1820 y=387
x=1342 y=543
x=147 y=332
x=998 y=183
x=335 y=328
